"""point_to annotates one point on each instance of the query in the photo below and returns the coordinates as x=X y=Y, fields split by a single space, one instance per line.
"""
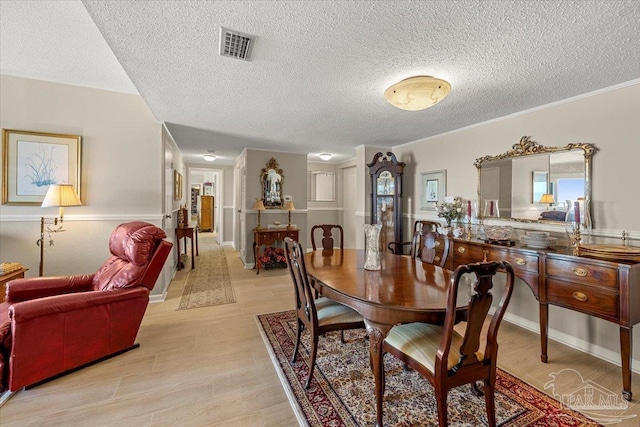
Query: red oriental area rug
x=342 y=390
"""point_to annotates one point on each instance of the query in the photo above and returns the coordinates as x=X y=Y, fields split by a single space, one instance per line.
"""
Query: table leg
x=195 y=231
x=255 y=257
x=193 y=258
x=544 y=330
x=626 y=350
x=377 y=333
x=180 y=264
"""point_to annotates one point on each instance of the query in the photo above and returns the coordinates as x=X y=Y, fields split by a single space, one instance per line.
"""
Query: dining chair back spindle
x=420 y=225
x=430 y=246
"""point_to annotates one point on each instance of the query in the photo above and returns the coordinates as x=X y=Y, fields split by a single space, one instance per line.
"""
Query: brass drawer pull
x=580 y=296
x=436 y=259
x=520 y=261
x=462 y=249
x=437 y=243
x=579 y=271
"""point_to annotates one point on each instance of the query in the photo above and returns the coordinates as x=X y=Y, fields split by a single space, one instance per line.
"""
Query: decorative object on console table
x=288 y=206
x=372 y=246
x=547 y=199
x=59 y=195
x=258 y=206
x=177 y=185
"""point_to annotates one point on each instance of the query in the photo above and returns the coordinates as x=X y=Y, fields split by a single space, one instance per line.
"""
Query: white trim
x=324 y=209
x=523 y=112
x=570 y=340
x=99 y=217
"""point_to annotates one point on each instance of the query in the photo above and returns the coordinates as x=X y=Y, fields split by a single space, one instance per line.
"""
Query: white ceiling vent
x=235 y=44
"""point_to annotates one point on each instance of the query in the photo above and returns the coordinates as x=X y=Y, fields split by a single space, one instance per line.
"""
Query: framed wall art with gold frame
x=177 y=185
x=32 y=161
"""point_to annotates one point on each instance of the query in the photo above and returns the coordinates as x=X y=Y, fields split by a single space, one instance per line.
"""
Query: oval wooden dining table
x=404 y=290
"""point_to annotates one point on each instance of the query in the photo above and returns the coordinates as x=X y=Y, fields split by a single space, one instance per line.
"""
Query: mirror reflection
x=532 y=182
x=321 y=186
x=271 y=179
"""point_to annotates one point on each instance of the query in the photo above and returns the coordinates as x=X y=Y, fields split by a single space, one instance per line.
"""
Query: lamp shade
x=258 y=205
x=547 y=198
x=288 y=206
x=61 y=195
x=417 y=93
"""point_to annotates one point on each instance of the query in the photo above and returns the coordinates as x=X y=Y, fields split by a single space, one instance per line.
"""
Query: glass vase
x=372 y=246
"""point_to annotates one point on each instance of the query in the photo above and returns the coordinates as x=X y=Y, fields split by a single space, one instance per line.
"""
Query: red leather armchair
x=52 y=325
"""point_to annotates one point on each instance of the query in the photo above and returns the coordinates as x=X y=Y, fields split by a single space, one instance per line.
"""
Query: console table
x=183 y=233
x=268 y=236
x=606 y=289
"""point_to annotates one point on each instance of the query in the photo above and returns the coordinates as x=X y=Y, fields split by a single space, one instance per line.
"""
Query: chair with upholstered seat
x=50 y=326
x=445 y=357
x=430 y=246
x=319 y=315
x=420 y=225
x=328 y=231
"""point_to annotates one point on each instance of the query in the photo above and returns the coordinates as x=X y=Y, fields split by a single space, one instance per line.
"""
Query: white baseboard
x=571 y=341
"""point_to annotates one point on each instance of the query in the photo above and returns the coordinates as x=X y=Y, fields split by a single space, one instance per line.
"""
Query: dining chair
x=426 y=244
x=318 y=315
x=398 y=247
x=444 y=356
x=327 y=236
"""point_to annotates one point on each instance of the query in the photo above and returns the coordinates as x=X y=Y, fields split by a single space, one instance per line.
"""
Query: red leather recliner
x=51 y=325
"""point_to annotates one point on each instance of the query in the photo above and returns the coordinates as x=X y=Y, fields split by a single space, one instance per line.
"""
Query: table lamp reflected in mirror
x=547 y=199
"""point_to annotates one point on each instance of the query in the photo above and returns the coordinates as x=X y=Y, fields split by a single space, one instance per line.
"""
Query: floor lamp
x=58 y=195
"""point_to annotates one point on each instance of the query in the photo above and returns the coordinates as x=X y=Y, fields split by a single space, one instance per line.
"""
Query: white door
x=240 y=194
x=168 y=221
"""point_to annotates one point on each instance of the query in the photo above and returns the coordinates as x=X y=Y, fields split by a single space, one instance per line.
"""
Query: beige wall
x=121 y=171
x=611 y=121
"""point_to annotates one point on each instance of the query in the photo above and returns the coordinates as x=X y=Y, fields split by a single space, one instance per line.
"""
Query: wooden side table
x=18 y=274
x=268 y=236
x=192 y=234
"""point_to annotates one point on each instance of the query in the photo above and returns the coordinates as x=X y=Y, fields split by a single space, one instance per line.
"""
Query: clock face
x=386 y=184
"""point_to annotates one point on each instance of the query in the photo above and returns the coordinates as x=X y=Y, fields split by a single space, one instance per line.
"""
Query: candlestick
x=576 y=212
x=469 y=209
x=491 y=208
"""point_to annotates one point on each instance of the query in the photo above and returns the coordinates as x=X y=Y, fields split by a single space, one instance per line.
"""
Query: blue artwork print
x=40 y=165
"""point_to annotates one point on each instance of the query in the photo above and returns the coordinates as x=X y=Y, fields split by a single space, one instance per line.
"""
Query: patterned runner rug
x=342 y=390
x=209 y=284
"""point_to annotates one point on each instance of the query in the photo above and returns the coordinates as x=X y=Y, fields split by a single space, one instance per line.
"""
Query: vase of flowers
x=451 y=210
x=273 y=258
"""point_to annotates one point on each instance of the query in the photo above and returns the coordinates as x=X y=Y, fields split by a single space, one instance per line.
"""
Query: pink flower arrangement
x=273 y=258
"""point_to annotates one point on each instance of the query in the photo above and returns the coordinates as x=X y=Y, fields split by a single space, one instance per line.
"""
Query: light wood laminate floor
x=209 y=367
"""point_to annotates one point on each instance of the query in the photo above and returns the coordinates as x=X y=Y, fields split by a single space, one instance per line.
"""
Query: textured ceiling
x=319 y=68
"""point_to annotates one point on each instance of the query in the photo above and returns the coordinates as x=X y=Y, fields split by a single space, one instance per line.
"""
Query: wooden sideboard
x=609 y=290
x=268 y=236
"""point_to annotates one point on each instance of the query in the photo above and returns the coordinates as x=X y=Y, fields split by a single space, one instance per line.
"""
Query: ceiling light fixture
x=417 y=93
x=209 y=157
x=326 y=156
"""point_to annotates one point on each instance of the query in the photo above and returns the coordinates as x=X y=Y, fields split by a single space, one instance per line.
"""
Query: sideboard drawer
x=599 y=301
x=580 y=272
x=521 y=262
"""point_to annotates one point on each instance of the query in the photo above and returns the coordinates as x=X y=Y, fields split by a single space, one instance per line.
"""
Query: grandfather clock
x=386 y=197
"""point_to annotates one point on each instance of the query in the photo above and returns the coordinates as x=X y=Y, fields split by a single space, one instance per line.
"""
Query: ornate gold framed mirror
x=534 y=183
x=271 y=179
